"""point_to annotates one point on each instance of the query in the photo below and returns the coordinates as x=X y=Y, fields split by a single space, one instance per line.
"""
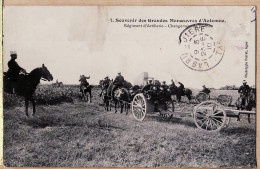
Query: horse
x=85 y=88
x=104 y=94
x=247 y=102
x=134 y=90
x=86 y=92
x=26 y=85
x=122 y=97
x=105 y=99
x=180 y=91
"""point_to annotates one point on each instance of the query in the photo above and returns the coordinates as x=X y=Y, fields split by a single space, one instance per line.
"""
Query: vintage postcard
x=129 y=86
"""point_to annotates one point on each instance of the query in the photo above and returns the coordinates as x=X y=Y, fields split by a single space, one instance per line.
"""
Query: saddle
x=10 y=83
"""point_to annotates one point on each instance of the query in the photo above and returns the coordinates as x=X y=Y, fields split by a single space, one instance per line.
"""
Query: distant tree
x=229 y=87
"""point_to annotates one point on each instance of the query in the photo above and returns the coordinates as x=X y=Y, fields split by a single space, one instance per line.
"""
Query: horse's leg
x=180 y=98
x=34 y=109
x=122 y=107
x=107 y=105
x=90 y=96
x=127 y=108
x=115 y=106
x=26 y=106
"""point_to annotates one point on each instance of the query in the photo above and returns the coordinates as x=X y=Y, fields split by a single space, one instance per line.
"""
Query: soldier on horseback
x=164 y=86
x=244 y=92
x=104 y=85
x=148 y=86
x=83 y=82
x=117 y=83
x=14 y=70
x=205 y=89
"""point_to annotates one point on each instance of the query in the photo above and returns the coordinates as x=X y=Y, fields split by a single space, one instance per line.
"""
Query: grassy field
x=82 y=134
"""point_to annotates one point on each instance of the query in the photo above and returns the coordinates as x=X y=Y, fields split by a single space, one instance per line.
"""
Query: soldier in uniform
x=118 y=82
x=181 y=88
x=205 y=89
x=244 y=92
x=105 y=84
x=83 y=82
x=164 y=86
x=172 y=85
x=14 y=70
x=148 y=86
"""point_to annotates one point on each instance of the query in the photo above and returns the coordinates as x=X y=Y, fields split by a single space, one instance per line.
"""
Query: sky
x=77 y=40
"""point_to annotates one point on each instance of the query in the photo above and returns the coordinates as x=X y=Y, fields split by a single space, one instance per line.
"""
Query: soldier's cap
x=156 y=82
x=106 y=77
x=119 y=73
x=163 y=81
x=13 y=53
x=203 y=86
x=244 y=81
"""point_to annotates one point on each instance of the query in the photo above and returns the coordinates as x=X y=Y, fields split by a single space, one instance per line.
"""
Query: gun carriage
x=208 y=115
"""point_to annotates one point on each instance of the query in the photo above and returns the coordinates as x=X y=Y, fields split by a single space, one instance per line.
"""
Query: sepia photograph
x=129 y=86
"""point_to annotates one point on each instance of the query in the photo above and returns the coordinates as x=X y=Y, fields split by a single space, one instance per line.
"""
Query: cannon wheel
x=201 y=97
x=227 y=122
x=139 y=107
x=210 y=116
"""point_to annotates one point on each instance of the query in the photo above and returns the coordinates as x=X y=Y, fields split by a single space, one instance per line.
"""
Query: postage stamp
x=202 y=51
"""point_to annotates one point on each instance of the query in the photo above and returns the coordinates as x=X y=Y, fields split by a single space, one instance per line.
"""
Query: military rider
x=244 y=92
x=164 y=86
x=14 y=70
x=205 y=89
x=148 y=86
x=182 y=88
x=118 y=82
x=83 y=81
x=105 y=84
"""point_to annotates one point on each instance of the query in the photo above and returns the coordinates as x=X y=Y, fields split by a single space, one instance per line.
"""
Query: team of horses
x=123 y=96
x=26 y=85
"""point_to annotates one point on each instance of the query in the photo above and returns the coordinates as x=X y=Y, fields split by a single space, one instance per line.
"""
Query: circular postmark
x=202 y=52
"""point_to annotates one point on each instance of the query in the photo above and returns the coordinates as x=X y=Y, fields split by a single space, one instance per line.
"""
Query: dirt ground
x=82 y=134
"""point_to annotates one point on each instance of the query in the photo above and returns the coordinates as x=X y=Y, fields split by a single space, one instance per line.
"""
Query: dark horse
x=104 y=93
x=26 y=85
x=180 y=91
x=247 y=102
x=121 y=98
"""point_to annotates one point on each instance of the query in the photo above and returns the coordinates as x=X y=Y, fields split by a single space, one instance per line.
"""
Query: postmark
x=201 y=51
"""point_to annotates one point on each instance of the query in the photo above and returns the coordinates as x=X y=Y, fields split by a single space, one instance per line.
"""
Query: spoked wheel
x=201 y=97
x=227 y=122
x=139 y=107
x=210 y=116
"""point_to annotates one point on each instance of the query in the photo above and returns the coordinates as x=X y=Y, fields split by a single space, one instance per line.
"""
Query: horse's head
x=46 y=74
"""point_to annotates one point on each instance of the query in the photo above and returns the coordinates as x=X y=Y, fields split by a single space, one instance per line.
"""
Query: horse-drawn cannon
x=208 y=115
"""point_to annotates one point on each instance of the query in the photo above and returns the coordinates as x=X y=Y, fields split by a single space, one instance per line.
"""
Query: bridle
x=43 y=79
